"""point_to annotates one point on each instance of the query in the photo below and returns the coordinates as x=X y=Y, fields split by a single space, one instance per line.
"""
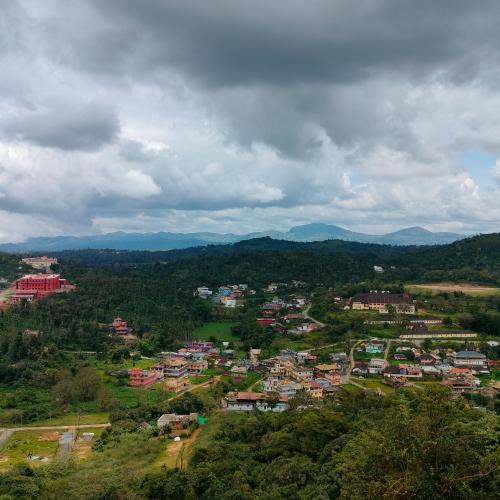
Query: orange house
x=142 y=378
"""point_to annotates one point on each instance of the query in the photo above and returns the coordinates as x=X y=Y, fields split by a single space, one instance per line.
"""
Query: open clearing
x=467 y=288
x=221 y=331
x=73 y=419
x=177 y=452
x=33 y=447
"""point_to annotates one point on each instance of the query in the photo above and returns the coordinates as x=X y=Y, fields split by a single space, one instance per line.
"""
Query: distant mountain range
x=169 y=241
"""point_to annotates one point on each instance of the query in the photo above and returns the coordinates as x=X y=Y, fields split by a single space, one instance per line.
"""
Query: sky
x=187 y=115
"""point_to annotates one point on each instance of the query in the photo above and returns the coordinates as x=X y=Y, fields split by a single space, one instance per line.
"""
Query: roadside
x=176 y=454
x=213 y=380
x=386 y=351
x=306 y=316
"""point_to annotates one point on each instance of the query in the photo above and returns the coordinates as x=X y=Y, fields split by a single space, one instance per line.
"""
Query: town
x=422 y=351
x=265 y=348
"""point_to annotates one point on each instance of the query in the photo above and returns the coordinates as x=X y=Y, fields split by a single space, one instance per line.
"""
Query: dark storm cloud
x=285 y=73
x=272 y=111
x=85 y=128
x=283 y=42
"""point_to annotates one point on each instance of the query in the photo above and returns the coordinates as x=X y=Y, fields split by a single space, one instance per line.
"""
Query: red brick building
x=32 y=286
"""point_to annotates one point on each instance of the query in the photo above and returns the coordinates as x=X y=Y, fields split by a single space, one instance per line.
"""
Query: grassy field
x=375 y=384
x=366 y=356
x=72 y=419
x=494 y=375
x=130 y=396
x=390 y=332
x=143 y=363
x=467 y=288
x=221 y=331
x=178 y=453
x=300 y=342
x=23 y=445
x=350 y=388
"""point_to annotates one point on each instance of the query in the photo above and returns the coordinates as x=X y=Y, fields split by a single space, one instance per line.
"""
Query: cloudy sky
x=188 y=115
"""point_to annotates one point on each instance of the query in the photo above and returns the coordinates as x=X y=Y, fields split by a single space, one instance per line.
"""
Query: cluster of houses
x=283 y=376
x=287 y=374
x=175 y=368
x=291 y=372
x=274 y=306
x=272 y=288
x=226 y=295
x=456 y=369
x=292 y=321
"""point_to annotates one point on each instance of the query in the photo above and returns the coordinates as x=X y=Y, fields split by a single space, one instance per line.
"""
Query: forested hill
x=265 y=259
x=262 y=245
x=472 y=259
x=10 y=267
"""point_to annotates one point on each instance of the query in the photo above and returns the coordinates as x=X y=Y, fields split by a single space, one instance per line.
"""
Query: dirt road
x=306 y=316
x=197 y=386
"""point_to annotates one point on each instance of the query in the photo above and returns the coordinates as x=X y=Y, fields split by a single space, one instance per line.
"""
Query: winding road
x=306 y=316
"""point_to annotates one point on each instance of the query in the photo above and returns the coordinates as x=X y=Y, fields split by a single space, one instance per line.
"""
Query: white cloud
x=102 y=128
x=135 y=184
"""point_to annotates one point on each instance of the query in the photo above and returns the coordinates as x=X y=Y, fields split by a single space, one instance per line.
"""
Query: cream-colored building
x=383 y=302
x=43 y=263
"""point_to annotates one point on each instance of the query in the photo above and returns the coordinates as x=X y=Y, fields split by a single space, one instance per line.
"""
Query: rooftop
x=383 y=298
x=469 y=354
x=40 y=276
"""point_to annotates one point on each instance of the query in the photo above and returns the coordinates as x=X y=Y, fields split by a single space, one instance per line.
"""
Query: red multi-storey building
x=120 y=327
x=32 y=286
x=142 y=378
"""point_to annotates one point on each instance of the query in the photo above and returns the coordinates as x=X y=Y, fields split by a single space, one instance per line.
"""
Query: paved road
x=386 y=351
x=306 y=316
x=325 y=346
x=346 y=379
x=351 y=354
x=4 y=436
x=55 y=427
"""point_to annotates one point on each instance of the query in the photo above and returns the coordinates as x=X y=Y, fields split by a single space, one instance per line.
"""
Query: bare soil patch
x=468 y=288
x=49 y=436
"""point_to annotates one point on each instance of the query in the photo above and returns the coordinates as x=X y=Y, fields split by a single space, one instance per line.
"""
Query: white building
x=472 y=359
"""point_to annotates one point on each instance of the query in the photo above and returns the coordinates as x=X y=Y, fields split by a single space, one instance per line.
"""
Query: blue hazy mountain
x=169 y=241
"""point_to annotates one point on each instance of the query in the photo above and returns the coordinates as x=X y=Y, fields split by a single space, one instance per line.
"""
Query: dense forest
x=471 y=259
x=411 y=445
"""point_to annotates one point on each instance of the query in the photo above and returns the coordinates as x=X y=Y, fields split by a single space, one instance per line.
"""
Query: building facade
x=383 y=302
